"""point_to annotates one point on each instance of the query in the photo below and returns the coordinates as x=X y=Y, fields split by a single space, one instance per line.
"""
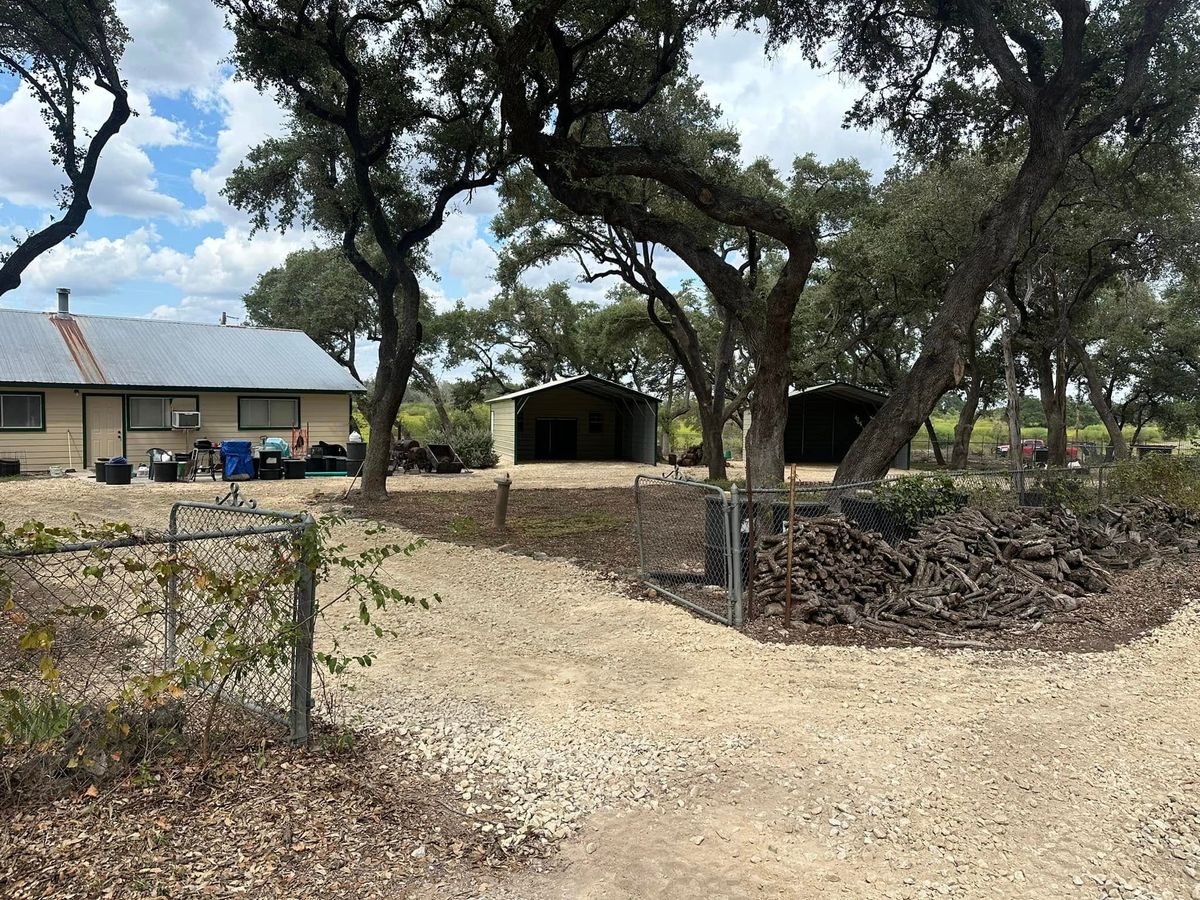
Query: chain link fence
x=684 y=545
x=695 y=540
x=206 y=624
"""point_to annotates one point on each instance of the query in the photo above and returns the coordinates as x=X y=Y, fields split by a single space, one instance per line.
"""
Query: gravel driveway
x=681 y=759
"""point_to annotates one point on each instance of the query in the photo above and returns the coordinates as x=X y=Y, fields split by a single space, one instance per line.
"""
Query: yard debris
x=970 y=569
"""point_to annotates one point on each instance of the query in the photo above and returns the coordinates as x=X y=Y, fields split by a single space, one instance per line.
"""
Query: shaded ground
x=593 y=526
x=271 y=821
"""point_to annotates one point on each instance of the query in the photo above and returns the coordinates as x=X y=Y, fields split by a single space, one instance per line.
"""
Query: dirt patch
x=1140 y=601
x=271 y=821
x=592 y=526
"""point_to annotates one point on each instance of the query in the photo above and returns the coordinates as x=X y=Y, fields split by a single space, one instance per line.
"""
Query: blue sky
x=162 y=242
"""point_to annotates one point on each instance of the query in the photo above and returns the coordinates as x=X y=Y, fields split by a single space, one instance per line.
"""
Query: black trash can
x=295 y=468
x=100 y=466
x=356 y=455
x=165 y=471
x=9 y=467
x=715 y=565
x=120 y=473
x=869 y=515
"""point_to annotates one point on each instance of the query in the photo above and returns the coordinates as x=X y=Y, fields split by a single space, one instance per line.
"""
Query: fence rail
x=694 y=538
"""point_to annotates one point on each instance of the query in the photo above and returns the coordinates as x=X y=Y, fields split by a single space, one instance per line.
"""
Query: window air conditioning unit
x=185 y=420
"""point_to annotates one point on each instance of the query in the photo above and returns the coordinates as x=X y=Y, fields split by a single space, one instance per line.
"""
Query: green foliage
x=148 y=707
x=463 y=526
x=915 y=499
x=32 y=720
x=1175 y=479
x=473 y=444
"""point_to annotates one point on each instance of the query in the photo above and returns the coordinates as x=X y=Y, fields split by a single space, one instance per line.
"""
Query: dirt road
x=681 y=759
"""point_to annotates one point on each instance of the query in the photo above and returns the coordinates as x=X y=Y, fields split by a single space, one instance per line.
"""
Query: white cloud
x=97 y=267
x=781 y=106
x=173 y=50
x=124 y=183
x=249 y=119
x=226 y=267
x=458 y=252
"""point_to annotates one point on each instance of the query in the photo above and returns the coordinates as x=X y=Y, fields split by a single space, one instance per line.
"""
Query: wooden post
x=791 y=550
x=502 y=485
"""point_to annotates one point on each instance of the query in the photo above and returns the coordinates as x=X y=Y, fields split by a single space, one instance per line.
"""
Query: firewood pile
x=691 y=456
x=970 y=569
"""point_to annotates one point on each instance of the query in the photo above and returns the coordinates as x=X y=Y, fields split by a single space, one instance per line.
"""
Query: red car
x=1030 y=446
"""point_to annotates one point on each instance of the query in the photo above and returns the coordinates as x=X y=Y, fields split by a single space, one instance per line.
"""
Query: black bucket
x=100 y=466
x=356 y=455
x=9 y=467
x=165 y=471
x=121 y=473
x=295 y=468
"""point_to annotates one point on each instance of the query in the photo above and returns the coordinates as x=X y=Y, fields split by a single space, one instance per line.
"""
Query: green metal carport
x=582 y=417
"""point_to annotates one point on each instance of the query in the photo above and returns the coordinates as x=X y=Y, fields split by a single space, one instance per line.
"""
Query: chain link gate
x=685 y=548
x=284 y=696
x=109 y=615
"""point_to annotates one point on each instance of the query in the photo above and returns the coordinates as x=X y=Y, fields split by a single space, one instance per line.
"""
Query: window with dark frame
x=150 y=413
x=595 y=423
x=268 y=412
x=22 y=412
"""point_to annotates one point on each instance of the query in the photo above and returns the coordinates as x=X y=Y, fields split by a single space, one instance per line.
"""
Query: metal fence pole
x=300 y=708
x=736 y=588
x=171 y=613
x=637 y=516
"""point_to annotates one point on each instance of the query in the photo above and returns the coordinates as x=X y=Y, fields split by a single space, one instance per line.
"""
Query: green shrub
x=914 y=499
x=473 y=444
x=1175 y=479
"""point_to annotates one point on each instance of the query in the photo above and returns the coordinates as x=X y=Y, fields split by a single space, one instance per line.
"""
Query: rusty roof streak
x=89 y=367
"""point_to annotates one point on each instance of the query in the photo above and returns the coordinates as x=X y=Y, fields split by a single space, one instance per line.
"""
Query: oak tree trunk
x=960 y=453
x=1097 y=391
x=934 y=444
x=941 y=361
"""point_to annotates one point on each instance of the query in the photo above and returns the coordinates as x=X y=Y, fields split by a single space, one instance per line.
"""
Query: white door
x=106 y=426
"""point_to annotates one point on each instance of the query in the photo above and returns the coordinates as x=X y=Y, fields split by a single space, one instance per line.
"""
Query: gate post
x=171 y=613
x=304 y=611
x=734 y=531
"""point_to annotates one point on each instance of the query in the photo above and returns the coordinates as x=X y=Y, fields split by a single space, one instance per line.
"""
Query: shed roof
x=39 y=348
x=591 y=383
x=842 y=390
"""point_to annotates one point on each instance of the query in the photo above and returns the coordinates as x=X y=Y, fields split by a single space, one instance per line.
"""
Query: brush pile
x=970 y=569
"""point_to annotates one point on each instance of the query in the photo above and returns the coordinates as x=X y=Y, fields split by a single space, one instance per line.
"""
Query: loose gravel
x=664 y=756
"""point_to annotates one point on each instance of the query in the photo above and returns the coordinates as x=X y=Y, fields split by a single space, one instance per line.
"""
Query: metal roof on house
x=592 y=384
x=843 y=391
x=40 y=348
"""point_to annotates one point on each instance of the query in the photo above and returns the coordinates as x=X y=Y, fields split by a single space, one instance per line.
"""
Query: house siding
x=504 y=424
x=62 y=442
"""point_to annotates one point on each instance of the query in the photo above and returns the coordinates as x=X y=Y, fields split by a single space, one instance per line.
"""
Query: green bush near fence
x=914 y=499
x=473 y=444
x=1175 y=479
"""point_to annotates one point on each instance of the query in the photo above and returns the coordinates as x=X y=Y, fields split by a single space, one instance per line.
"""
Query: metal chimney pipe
x=64 y=303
